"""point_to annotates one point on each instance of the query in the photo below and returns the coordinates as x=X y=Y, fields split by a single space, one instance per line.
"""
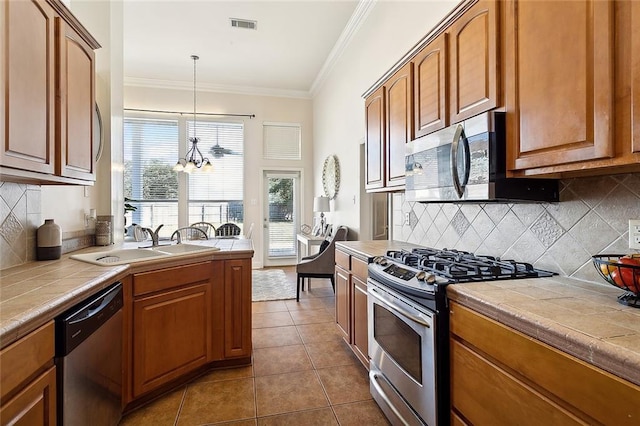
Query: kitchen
x=559 y=237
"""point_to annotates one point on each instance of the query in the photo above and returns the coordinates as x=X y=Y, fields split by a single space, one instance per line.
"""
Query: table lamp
x=321 y=205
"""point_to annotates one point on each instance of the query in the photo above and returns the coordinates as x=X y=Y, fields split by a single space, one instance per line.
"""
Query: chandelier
x=194 y=160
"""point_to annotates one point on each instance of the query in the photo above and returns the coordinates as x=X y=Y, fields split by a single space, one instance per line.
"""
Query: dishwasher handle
x=79 y=322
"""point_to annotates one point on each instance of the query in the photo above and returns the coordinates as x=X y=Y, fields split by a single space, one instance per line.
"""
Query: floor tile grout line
x=184 y=396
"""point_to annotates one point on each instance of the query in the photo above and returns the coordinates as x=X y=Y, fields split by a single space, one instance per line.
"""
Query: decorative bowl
x=622 y=275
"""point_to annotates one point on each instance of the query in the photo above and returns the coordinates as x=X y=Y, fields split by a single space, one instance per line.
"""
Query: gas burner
x=462 y=266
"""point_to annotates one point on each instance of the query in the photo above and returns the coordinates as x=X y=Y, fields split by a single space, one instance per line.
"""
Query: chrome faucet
x=154 y=235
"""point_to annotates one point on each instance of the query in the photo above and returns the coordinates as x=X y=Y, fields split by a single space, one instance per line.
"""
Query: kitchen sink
x=125 y=256
x=118 y=257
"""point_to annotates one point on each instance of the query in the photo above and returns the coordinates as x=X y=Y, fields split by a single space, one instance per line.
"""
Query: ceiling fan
x=218 y=152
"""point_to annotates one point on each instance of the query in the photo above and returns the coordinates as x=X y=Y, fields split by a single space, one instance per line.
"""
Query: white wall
x=266 y=109
x=391 y=29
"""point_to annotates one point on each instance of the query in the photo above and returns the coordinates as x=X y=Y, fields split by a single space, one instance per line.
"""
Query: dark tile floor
x=303 y=373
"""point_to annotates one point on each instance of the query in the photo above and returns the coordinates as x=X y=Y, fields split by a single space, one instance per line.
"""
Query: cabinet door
x=35 y=405
x=237 y=305
x=76 y=104
x=360 y=331
x=343 y=302
x=429 y=86
x=559 y=82
x=399 y=123
x=27 y=85
x=374 y=139
x=635 y=73
x=171 y=335
x=473 y=41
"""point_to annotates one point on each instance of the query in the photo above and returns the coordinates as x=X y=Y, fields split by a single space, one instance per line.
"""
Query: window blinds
x=151 y=151
x=282 y=141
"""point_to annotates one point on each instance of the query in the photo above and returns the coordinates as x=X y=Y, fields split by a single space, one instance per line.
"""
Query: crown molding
x=216 y=88
x=358 y=17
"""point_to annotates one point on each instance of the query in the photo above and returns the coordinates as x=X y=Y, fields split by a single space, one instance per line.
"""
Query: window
x=160 y=195
x=281 y=141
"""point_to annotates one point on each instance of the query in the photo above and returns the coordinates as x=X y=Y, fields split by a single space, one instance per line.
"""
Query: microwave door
x=460 y=161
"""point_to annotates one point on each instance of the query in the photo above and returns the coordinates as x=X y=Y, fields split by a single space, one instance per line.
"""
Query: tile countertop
x=36 y=292
x=577 y=317
x=369 y=249
x=580 y=318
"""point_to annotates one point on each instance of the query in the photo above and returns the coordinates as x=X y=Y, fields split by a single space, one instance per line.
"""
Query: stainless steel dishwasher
x=89 y=360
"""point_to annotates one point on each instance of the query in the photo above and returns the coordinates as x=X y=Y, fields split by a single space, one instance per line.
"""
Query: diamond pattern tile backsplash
x=592 y=217
x=20 y=216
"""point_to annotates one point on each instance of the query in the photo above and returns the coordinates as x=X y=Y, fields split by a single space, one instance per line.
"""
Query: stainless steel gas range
x=409 y=326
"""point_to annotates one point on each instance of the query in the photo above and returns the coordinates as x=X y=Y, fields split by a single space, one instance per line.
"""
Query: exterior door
x=281 y=216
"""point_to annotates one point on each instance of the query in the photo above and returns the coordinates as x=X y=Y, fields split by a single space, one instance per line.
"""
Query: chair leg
x=333 y=284
x=298 y=288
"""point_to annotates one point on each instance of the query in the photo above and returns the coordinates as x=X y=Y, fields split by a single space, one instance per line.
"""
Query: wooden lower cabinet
x=181 y=319
x=500 y=376
x=343 y=291
x=351 y=303
x=28 y=388
x=237 y=308
x=35 y=405
x=172 y=335
x=360 y=329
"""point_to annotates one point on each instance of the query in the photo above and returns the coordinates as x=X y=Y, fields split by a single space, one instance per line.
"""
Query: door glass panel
x=398 y=340
x=281 y=220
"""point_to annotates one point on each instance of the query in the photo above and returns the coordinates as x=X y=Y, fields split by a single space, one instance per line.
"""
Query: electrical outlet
x=634 y=234
x=406 y=218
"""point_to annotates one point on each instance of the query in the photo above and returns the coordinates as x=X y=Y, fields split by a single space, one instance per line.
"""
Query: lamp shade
x=321 y=204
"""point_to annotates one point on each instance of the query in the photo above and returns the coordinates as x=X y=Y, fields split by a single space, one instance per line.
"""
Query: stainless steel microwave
x=467 y=162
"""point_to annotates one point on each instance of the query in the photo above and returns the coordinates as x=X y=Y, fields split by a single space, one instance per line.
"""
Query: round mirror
x=331 y=176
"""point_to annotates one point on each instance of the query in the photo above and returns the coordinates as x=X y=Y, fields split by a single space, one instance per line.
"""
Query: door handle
x=457 y=137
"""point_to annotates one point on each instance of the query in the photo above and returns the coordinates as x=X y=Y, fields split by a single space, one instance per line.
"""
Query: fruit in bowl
x=621 y=271
x=625 y=276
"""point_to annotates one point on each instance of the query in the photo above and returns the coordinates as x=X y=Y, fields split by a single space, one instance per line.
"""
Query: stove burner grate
x=461 y=266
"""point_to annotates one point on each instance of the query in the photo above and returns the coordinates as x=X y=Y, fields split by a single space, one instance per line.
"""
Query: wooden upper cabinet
x=430 y=87
x=559 y=81
x=473 y=42
x=635 y=73
x=47 y=94
x=374 y=139
x=399 y=123
x=27 y=86
x=76 y=103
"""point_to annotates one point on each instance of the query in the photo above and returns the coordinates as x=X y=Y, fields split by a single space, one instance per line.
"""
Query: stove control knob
x=421 y=276
x=380 y=260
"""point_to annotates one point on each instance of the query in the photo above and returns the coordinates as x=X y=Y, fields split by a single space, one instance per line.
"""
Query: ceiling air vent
x=244 y=23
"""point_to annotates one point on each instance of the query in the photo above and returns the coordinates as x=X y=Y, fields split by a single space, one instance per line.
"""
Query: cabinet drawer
x=359 y=269
x=21 y=360
x=548 y=368
x=486 y=394
x=163 y=279
x=343 y=260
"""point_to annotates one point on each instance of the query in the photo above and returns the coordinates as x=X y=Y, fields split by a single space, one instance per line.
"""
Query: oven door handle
x=374 y=381
x=398 y=309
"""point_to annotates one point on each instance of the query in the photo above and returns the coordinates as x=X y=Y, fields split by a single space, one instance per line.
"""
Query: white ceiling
x=284 y=56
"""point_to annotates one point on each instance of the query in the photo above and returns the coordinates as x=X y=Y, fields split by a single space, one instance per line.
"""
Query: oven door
x=402 y=351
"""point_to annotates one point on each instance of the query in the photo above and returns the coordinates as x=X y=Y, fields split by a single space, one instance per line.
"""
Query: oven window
x=398 y=340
